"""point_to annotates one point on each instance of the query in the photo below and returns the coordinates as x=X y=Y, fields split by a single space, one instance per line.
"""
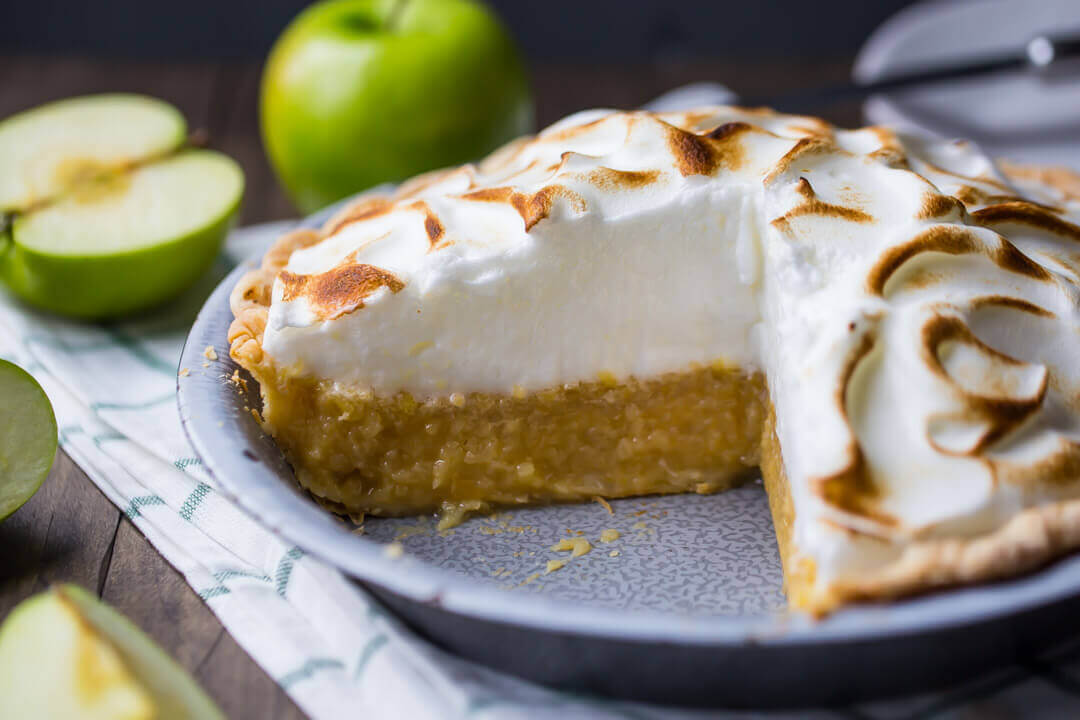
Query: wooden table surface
x=69 y=531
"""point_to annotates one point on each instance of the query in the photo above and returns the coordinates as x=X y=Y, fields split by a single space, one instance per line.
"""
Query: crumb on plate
x=554 y=565
x=576 y=546
x=610 y=535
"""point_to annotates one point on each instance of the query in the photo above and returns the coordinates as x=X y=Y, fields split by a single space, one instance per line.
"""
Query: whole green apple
x=360 y=92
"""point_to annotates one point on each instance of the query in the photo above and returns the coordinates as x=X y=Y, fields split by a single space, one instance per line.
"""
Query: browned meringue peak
x=337 y=291
x=532 y=174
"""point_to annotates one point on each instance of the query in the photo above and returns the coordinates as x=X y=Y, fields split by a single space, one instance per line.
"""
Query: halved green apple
x=106 y=213
x=65 y=654
x=27 y=437
x=45 y=150
x=125 y=241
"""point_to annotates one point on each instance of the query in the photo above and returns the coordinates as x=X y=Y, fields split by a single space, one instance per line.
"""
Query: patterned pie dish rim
x=250 y=470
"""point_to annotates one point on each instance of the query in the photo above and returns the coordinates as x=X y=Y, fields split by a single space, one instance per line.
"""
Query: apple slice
x=27 y=437
x=45 y=150
x=124 y=241
x=65 y=654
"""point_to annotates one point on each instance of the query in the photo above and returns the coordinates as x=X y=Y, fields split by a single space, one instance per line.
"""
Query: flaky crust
x=1025 y=543
x=1030 y=540
x=250 y=299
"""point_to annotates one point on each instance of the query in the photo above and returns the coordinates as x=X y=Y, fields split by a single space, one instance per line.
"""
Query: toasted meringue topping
x=595 y=248
x=916 y=314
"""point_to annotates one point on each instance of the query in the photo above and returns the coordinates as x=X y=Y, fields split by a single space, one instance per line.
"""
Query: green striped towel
x=318 y=635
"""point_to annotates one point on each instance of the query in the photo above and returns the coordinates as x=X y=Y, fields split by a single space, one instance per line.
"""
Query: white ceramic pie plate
x=690 y=610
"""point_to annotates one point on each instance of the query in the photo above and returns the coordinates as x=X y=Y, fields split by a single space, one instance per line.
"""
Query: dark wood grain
x=65 y=533
x=69 y=532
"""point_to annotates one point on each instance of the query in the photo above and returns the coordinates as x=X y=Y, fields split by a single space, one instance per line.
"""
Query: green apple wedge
x=106 y=213
x=361 y=92
x=27 y=437
x=65 y=654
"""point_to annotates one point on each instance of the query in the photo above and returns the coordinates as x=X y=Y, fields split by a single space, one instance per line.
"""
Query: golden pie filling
x=898 y=320
x=697 y=431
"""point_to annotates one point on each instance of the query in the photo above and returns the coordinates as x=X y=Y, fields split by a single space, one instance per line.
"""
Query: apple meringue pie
x=633 y=303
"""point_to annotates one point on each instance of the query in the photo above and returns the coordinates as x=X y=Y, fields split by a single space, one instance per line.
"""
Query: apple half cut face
x=106 y=212
x=46 y=150
x=65 y=654
x=27 y=437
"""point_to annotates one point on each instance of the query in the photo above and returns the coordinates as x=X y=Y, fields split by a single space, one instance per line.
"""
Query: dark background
x=548 y=30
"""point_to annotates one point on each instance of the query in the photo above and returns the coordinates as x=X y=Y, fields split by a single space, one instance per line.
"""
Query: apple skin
x=98 y=287
x=35 y=434
x=361 y=92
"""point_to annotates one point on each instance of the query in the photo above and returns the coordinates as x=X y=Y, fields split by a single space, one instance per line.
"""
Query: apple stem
x=395 y=14
x=199 y=139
